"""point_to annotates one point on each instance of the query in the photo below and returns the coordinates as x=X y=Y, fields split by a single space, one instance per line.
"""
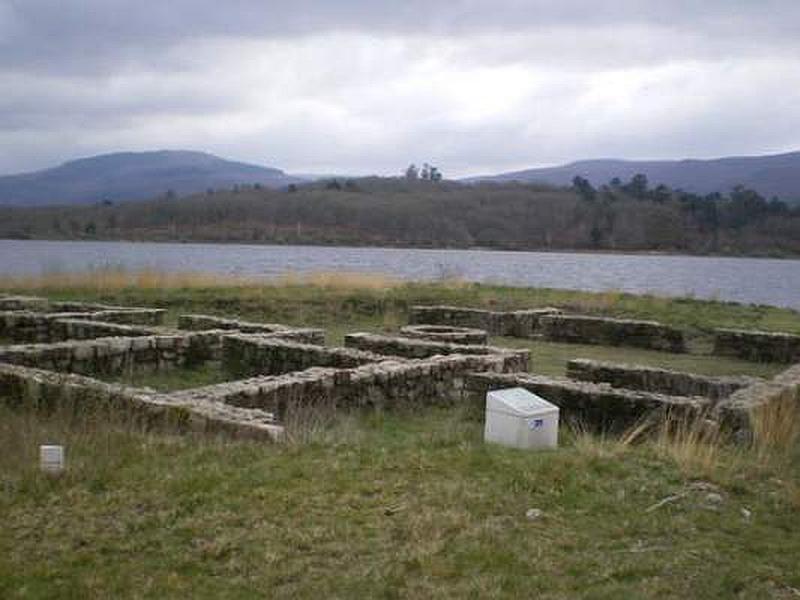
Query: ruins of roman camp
x=71 y=354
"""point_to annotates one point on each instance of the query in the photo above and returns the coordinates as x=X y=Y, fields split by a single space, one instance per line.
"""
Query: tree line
x=426 y=212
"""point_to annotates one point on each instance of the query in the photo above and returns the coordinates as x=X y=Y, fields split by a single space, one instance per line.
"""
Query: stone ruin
x=446 y=333
x=614 y=396
x=552 y=325
x=58 y=353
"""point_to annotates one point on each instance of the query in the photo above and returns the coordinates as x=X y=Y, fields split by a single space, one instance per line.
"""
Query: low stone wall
x=513 y=360
x=42 y=327
x=651 y=379
x=387 y=384
x=611 y=332
x=27 y=326
x=84 y=310
x=130 y=316
x=739 y=410
x=84 y=307
x=446 y=333
x=204 y=322
x=83 y=329
x=518 y=323
x=116 y=355
x=45 y=327
x=597 y=405
x=22 y=303
x=758 y=346
x=789 y=377
x=275 y=394
x=47 y=391
x=248 y=355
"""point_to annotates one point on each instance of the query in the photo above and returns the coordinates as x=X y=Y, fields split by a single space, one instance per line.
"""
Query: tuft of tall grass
x=776 y=427
x=578 y=434
x=694 y=442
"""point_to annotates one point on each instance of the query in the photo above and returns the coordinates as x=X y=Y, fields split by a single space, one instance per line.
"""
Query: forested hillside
x=772 y=175
x=396 y=212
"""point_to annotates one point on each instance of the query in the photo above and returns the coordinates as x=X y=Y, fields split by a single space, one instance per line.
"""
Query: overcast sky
x=363 y=86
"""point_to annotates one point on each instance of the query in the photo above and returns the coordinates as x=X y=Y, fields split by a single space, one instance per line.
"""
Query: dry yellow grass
x=344 y=280
x=107 y=280
x=776 y=427
x=694 y=443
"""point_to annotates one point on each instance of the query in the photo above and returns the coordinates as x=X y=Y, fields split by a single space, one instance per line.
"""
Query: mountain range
x=125 y=176
x=772 y=175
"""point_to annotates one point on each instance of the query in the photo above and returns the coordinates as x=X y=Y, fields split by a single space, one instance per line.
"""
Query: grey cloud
x=358 y=85
x=101 y=35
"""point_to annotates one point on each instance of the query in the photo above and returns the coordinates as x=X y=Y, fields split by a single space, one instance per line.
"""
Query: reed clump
x=776 y=427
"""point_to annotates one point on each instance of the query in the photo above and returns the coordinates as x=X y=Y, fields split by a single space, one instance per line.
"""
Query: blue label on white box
x=535 y=423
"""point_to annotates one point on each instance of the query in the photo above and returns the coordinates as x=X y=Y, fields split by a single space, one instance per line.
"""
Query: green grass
x=354 y=305
x=550 y=358
x=173 y=379
x=377 y=305
x=387 y=505
x=404 y=504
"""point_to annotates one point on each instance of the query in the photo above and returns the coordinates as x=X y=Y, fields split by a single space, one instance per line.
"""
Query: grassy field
x=550 y=358
x=398 y=505
x=174 y=379
x=391 y=505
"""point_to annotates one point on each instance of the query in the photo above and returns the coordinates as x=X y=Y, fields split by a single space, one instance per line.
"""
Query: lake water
x=749 y=280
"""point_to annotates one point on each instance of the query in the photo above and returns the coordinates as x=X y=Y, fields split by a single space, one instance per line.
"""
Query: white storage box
x=51 y=458
x=515 y=417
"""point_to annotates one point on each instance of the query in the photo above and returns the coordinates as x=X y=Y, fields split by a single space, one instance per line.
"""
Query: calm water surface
x=750 y=280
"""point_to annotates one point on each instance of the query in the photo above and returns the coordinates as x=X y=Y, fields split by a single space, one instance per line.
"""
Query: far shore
x=543 y=250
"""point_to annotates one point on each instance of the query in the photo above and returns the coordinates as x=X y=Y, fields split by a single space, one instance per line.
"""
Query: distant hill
x=775 y=175
x=128 y=176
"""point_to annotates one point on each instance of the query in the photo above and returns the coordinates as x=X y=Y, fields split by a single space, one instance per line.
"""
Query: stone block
x=758 y=346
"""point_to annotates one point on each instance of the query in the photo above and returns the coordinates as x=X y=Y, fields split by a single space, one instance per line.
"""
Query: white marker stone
x=517 y=418
x=51 y=458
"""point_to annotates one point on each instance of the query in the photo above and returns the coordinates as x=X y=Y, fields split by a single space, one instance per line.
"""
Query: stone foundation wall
x=651 y=379
x=758 y=346
x=22 y=303
x=83 y=307
x=387 y=384
x=249 y=355
x=611 y=332
x=115 y=355
x=83 y=329
x=27 y=326
x=204 y=322
x=513 y=360
x=130 y=316
x=48 y=391
x=739 y=410
x=42 y=327
x=446 y=333
x=83 y=310
x=596 y=405
x=518 y=323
